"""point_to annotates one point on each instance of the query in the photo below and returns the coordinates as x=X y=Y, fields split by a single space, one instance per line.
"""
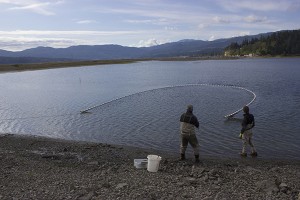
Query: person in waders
x=188 y=122
x=246 y=133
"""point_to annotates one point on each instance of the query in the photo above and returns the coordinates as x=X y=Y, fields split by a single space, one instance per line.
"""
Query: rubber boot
x=197 y=159
x=254 y=154
x=243 y=154
x=253 y=151
x=182 y=156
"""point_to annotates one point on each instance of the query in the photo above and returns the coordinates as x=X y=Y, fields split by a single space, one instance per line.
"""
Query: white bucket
x=153 y=163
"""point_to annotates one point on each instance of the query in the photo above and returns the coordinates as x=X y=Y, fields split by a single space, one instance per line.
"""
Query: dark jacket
x=188 y=123
x=248 y=122
x=190 y=118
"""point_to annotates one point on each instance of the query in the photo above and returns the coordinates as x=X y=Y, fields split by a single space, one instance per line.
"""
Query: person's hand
x=241 y=136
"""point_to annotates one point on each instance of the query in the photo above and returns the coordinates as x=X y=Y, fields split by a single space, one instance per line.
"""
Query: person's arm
x=244 y=125
x=181 y=118
x=195 y=121
x=253 y=123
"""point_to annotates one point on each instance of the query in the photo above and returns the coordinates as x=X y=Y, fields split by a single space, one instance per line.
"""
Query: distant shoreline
x=54 y=65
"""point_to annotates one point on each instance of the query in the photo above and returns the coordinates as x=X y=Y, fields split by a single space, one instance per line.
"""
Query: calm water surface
x=49 y=102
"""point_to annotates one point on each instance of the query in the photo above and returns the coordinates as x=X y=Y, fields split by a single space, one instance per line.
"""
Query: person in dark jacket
x=188 y=123
x=246 y=132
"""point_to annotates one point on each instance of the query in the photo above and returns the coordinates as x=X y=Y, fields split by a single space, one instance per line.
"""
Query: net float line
x=174 y=86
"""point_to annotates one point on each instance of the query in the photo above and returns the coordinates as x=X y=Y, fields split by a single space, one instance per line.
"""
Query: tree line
x=285 y=43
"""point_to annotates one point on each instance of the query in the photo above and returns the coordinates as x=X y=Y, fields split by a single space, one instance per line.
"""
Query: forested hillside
x=284 y=43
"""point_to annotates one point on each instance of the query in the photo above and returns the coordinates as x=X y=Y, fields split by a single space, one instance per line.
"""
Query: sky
x=27 y=24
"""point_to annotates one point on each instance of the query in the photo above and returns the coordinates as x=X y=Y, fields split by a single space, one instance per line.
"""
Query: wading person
x=246 y=133
x=188 y=122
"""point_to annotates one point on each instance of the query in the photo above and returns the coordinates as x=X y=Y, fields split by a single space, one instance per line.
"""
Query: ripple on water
x=151 y=119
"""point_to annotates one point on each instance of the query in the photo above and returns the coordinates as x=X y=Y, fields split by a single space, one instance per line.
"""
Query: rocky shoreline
x=43 y=168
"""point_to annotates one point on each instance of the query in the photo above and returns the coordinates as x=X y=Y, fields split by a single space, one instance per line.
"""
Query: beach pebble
x=268 y=186
x=190 y=180
x=121 y=185
x=93 y=163
x=205 y=178
x=87 y=196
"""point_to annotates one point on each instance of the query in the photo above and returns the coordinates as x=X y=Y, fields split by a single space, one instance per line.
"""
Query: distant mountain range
x=110 y=52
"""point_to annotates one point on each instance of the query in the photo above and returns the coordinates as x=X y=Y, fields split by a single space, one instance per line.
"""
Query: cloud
x=67 y=33
x=24 y=39
x=211 y=38
x=37 y=8
x=170 y=28
x=159 y=14
x=148 y=43
x=21 y=43
x=254 y=19
x=32 y=6
x=257 y=5
x=242 y=33
x=153 y=14
x=220 y=20
x=202 y=26
x=136 y=21
x=159 y=21
x=86 y=22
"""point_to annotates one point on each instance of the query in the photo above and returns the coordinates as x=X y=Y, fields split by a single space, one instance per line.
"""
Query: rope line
x=166 y=87
x=173 y=86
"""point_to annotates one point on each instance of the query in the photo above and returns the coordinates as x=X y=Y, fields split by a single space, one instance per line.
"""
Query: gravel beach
x=44 y=168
